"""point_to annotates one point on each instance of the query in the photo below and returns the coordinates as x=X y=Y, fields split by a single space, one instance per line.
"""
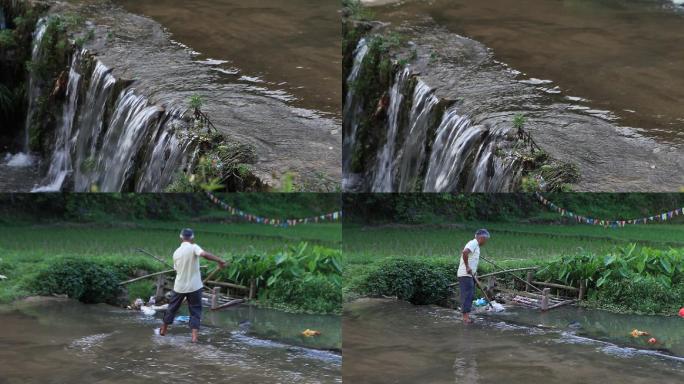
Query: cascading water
x=382 y=182
x=456 y=140
x=412 y=152
x=129 y=124
x=109 y=140
x=90 y=125
x=34 y=84
x=60 y=164
x=352 y=105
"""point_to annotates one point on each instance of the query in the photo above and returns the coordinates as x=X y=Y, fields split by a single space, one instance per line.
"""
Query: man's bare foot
x=467 y=319
x=195 y=335
x=163 y=330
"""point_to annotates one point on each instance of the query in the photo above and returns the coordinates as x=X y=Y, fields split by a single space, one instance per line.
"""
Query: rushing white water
x=34 y=86
x=60 y=164
x=352 y=105
x=456 y=141
x=382 y=182
x=412 y=151
x=90 y=125
x=110 y=141
x=125 y=134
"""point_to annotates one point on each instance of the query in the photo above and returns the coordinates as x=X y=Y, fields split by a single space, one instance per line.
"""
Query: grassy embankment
x=32 y=255
x=648 y=279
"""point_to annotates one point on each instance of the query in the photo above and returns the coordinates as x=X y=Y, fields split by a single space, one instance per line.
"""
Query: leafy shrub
x=80 y=279
x=314 y=293
x=644 y=296
x=417 y=281
x=663 y=267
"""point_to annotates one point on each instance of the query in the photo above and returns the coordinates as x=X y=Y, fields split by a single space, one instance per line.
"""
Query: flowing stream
x=393 y=341
x=66 y=341
x=292 y=48
x=592 y=91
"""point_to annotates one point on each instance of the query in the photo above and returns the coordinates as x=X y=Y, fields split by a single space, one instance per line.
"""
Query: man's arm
x=209 y=256
x=465 y=254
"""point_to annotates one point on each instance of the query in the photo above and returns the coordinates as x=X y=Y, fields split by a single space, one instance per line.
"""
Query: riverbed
x=621 y=56
x=292 y=47
x=394 y=341
x=66 y=341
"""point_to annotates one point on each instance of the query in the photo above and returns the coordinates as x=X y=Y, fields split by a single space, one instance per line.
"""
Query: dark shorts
x=194 y=305
x=467 y=286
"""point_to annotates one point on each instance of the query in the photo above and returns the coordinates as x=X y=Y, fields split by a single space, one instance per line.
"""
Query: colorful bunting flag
x=608 y=223
x=333 y=216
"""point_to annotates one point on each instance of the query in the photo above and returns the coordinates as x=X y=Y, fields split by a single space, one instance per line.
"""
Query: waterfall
x=3 y=23
x=90 y=125
x=127 y=128
x=353 y=106
x=456 y=141
x=382 y=182
x=412 y=152
x=112 y=140
x=60 y=164
x=167 y=158
x=34 y=85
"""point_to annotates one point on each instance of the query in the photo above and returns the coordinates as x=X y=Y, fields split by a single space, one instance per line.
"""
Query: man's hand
x=469 y=271
x=221 y=264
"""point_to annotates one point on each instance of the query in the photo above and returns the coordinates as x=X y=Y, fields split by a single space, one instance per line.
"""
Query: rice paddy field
x=510 y=241
x=26 y=248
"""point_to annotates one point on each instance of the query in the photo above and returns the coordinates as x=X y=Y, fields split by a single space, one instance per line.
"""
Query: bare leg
x=164 y=329
x=195 y=335
x=466 y=318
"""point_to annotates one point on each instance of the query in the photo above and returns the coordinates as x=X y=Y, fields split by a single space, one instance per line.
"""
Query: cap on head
x=187 y=234
x=482 y=233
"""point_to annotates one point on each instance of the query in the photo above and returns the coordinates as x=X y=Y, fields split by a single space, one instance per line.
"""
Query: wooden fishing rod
x=512 y=274
x=154 y=257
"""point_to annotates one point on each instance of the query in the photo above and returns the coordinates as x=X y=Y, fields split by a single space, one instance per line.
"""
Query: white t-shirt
x=187 y=266
x=473 y=258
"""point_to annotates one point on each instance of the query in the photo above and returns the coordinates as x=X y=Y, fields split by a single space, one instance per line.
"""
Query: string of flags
x=665 y=216
x=332 y=216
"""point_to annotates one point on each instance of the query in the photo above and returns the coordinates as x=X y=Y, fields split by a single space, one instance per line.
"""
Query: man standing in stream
x=188 y=284
x=467 y=268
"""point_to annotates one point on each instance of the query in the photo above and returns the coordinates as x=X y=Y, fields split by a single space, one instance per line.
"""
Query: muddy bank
x=459 y=132
x=386 y=340
x=66 y=341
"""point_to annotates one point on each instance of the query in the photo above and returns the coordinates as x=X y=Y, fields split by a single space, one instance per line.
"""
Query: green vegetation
x=356 y=11
x=637 y=268
x=296 y=268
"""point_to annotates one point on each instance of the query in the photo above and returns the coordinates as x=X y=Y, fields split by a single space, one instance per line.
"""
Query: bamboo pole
x=507 y=271
x=561 y=303
x=530 y=276
x=227 y=285
x=545 y=299
x=154 y=257
x=553 y=285
x=214 y=296
x=582 y=290
x=252 y=289
x=228 y=304
x=146 y=277
x=211 y=275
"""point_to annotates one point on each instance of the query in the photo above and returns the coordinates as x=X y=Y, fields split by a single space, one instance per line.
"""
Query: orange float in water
x=681 y=312
x=652 y=340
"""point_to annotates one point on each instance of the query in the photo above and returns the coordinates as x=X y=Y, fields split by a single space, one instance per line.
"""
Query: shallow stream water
x=66 y=341
x=292 y=46
x=393 y=341
x=622 y=56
